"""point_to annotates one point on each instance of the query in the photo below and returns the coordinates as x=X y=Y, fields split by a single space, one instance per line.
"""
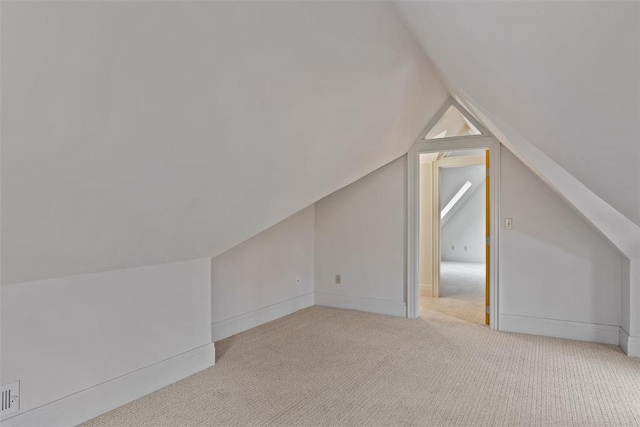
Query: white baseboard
x=593 y=332
x=371 y=305
x=243 y=322
x=426 y=287
x=92 y=402
x=630 y=345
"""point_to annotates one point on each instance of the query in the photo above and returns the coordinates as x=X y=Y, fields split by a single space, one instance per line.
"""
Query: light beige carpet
x=462 y=292
x=324 y=366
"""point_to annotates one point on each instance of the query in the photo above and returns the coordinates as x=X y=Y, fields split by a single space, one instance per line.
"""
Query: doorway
x=453 y=131
x=452 y=253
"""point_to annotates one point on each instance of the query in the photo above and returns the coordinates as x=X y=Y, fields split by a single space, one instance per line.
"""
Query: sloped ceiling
x=136 y=133
x=565 y=75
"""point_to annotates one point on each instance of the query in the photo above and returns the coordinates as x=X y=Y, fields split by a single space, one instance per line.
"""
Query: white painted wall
x=146 y=132
x=426 y=225
x=553 y=265
x=255 y=281
x=63 y=336
x=465 y=227
x=359 y=234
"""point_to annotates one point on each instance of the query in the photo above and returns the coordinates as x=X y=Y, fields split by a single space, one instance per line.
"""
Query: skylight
x=452 y=124
x=455 y=199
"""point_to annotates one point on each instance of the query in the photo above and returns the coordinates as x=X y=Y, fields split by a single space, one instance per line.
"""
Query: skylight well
x=455 y=199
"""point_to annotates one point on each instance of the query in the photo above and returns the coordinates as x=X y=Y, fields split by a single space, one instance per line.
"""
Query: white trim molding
x=486 y=141
x=460 y=162
x=630 y=345
x=453 y=102
x=92 y=402
x=371 y=305
x=427 y=287
x=243 y=322
x=593 y=332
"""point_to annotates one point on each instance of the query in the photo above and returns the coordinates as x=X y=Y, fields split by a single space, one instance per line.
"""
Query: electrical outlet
x=338 y=279
x=10 y=398
x=508 y=223
x=297 y=281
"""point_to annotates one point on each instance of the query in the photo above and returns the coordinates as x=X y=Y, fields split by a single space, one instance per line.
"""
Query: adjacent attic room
x=246 y=213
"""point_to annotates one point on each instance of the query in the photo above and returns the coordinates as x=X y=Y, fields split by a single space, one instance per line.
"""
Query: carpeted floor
x=325 y=366
x=462 y=292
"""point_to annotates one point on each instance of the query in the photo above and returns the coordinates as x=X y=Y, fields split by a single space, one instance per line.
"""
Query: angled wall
x=553 y=265
x=571 y=90
x=141 y=133
x=136 y=133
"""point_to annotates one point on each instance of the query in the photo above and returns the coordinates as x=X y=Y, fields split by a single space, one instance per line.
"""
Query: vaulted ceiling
x=137 y=133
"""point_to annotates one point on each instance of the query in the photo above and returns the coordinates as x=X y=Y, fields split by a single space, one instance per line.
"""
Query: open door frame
x=484 y=141
x=449 y=162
